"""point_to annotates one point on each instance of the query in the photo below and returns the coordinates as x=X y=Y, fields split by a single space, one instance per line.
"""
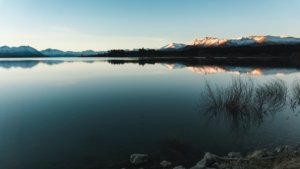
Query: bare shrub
x=237 y=97
x=295 y=95
x=270 y=97
x=242 y=103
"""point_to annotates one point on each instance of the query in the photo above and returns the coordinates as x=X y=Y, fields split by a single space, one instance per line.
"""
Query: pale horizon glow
x=129 y=24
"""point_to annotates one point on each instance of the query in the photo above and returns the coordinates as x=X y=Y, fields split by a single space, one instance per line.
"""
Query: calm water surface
x=85 y=113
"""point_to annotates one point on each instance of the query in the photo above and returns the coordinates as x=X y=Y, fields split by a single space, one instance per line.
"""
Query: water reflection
x=198 y=65
x=192 y=65
x=94 y=115
x=28 y=64
x=254 y=71
x=243 y=103
x=18 y=64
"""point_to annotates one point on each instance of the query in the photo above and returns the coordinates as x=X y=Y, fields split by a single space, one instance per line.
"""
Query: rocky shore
x=283 y=157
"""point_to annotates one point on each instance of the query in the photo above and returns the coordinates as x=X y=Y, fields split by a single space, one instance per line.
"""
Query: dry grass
x=270 y=98
x=242 y=103
x=295 y=95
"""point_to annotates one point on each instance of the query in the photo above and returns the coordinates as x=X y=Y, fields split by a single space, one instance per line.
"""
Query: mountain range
x=243 y=41
x=27 y=51
x=59 y=53
x=22 y=51
x=208 y=42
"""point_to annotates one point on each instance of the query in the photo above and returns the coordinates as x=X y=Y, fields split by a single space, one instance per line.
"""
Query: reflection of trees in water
x=244 y=104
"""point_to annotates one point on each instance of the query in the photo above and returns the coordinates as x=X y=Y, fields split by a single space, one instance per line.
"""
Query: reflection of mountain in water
x=193 y=66
x=174 y=66
x=18 y=64
x=207 y=69
x=203 y=69
x=28 y=64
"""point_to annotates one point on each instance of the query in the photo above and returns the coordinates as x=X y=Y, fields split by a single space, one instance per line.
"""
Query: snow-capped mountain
x=59 y=53
x=172 y=46
x=210 y=41
x=6 y=51
x=244 y=41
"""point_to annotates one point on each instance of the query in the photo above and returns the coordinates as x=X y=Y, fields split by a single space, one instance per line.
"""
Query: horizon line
x=100 y=50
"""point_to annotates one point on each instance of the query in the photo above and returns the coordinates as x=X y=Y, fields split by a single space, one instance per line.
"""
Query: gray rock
x=289 y=149
x=284 y=149
x=219 y=165
x=165 y=164
x=179 y=167
x=198 y=166
x=208 y=160
x=278 y=150
x=139 y=158
x=258 y=154
x=235 y=155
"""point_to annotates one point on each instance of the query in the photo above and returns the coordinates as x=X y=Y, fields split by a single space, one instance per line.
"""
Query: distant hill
x=209 y=47
x=22 y=51
x=27 y=51
x=59 y=53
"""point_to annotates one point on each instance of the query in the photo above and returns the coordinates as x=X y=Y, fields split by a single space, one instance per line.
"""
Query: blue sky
x=109 y=24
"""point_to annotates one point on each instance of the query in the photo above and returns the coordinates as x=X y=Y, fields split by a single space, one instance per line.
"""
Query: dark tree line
x=211 y=52
x=264 y=55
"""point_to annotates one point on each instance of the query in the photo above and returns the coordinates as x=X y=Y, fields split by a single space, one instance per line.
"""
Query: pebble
x=165 y=164
x=139 y=158
x=179 y=167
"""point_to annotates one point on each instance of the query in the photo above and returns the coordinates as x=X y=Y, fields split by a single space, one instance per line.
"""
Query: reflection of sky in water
x=78 y=110
x=70 y=72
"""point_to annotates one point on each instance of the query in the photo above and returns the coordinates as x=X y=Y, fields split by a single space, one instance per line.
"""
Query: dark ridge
x=273 y=55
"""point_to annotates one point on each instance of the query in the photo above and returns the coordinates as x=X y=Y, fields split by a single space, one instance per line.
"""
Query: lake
x=89 y=113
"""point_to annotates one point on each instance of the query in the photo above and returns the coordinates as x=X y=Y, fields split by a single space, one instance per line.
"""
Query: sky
x=127 y=24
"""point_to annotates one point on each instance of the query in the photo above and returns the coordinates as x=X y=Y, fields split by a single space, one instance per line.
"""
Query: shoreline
x=282 y=157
